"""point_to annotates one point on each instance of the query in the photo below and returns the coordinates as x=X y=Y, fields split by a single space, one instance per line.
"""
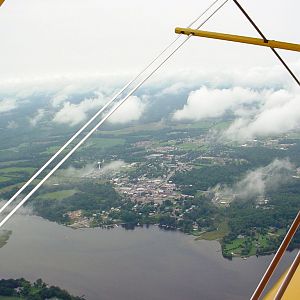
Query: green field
x=52 y=150
x=11 y=170
x=137 y=128
x=105 y=142
x=10 y=298
x=59 y=195
x=11 y=187
x=195 y=125
x=218 y=234
x=159 y=126
x=190 y=146
x=237 y=245
x=11 y=162
x=4 y=179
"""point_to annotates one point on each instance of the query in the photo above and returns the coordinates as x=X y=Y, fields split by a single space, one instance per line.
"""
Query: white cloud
x=61 y=87
x=210 y=103
x=7 y=105
x=258 y=113
x=257 y=182
x=130 y=111
x=279 y=113
x=113 y=166
x=73 y=114
x=58 y=99
x=12 y=125
x=174 y=89
x=91 y=170
x=37 y=117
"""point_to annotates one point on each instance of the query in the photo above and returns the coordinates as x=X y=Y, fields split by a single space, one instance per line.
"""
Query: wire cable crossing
x=96 y=115
x=26 y=198
x=266 y=40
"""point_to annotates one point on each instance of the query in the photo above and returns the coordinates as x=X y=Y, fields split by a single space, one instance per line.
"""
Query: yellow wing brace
x=239 y=39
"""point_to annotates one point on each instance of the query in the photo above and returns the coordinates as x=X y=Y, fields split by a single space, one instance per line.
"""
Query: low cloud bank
x=256 y=183
x=113 y=166
x=247 y=94
x=7 y=105
x=91 y=170
x=257 y=113
x=211 y=103
x=73 y=114
x=279 y=112
x=131 y=110
x=37 y=117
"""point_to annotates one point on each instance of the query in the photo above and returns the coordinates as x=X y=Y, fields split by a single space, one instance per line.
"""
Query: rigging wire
x=289 y=235
x=25 y=199
x=266 y=40
x=99 y=113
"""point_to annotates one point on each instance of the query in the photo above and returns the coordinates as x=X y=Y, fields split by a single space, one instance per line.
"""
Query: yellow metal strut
x=238 y=39
x=1 y=2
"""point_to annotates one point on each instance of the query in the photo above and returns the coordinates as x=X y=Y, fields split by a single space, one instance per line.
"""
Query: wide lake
x=142 y=264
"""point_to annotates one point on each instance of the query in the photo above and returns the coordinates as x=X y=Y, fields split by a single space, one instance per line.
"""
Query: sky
x=82 y=38
x=68 y=49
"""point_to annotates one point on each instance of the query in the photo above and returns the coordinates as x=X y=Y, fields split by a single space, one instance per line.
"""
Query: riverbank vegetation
x=12 y=289
x=187 y=163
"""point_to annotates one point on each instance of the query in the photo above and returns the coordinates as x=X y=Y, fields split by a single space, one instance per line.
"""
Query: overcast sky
x=56 y=37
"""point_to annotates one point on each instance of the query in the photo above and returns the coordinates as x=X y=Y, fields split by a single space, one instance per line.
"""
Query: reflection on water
x=141 y=264
x=4 y=237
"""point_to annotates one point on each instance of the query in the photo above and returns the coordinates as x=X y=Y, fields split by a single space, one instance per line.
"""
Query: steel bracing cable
x=276 y=259
x=266 y=40
x=26 y=198
x=272 y=266
x=288 y=277
x=98 y=114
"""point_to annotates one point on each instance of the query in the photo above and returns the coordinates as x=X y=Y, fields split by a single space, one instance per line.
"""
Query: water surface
x=142 y=264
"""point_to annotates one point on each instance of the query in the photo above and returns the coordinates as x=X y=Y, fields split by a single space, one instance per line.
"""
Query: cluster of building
x=273 y=143
x=146 y=189
x=78 y=220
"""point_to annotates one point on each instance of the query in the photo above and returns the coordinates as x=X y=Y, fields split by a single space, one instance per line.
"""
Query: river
x=142 y=264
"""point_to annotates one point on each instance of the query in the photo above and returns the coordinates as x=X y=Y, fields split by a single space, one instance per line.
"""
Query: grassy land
x=52 y=150
x=11 y=162
x=189 y=146
x=137 y=128
x=218 y=234
x=17 y=185
x=11 y=187
x=236 y=246
x=11 y=170
x=4 y=179
x=158 y=126
x=105 y=142
x=59 y=195
x=195 y=125
x=10 y=298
